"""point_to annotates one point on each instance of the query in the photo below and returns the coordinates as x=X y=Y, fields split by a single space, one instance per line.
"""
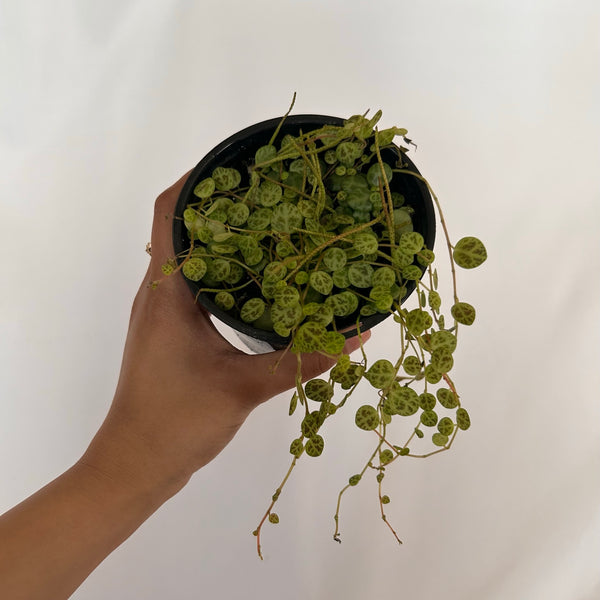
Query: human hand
x=183 y=391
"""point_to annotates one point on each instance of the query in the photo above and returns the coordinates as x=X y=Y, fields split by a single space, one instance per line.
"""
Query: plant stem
x=442 y=220
x=275 y=498
x=389 y=210
x=336 y=517
x=274 y=136
x=331 y=241
x=385 y=518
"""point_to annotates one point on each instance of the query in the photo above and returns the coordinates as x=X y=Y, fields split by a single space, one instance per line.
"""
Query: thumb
x=276 y=371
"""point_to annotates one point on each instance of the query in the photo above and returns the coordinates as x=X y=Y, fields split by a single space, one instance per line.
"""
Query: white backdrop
x=104 y=104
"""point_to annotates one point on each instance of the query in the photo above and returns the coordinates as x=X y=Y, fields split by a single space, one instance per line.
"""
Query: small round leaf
x=314 y=446
x=462 y=419
x=194 y=269
x=469 y=253
x=366 y=418
x=463 y=312
x=252 y=310
x=439 y=439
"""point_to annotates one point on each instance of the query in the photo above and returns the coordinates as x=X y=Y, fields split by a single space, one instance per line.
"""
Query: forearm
x=53 y=540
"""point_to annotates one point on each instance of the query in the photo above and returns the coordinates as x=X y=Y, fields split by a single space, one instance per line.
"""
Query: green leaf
x=314 y=446
x=297 y=447
x=334 y=259
x=288 y=146
x=301 y=278
x=286 y=218
x=429 y=418
x=360 y=274
x=402 y=221
x=218 y=269
x=442 y=339
x=260 y=219
x=321 y=281
x=366 y=418
x=384 y=277
x=342 y=304
x=368 y=310
x=441 y=360
x=427 y=401
x=311 y=423
x=265 y=153
x=285 y=248
x=222 y=248
x=354 y=479
x=330 y=157
x=411 y=242
x=310 y=308
x=274 y=271
x=375 y=177
x=381 y=374
x=447 y=398
x=194 y=269
x=462 y=419
x=386 y=456
x=286 y=296
x=348 y=152
x=335 y=342
x=307 y=208
x=386 y=136
x=365 y=243
x=418 y=321
x=318 y=390
x=340 y=278
x=411 y=273
x=425 y=257
x=446 y=426
x=252 y=310
x=205 y=188
x=346 y=374
x=224 y=300
x=412 y=365
x=469 y=252
x=310 y=337
x=269 y=193
x=403 y=401
x=235 y=274
x=435 y=300
x=401 y=259
x=463 y=312
x=439 y=439
x=324 y=315
x=286 y=316
x=253 y=257
x=226 y=179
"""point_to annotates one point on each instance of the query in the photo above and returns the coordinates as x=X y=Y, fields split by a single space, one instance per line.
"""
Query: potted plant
x=303 y=230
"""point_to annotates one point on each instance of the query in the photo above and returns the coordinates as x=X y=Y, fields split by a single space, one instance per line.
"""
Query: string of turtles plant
x=317 y=239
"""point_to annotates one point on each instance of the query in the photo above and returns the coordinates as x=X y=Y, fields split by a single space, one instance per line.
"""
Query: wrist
x=130 y=462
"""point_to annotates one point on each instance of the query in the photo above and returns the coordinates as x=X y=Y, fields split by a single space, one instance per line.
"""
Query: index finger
x=161 y=238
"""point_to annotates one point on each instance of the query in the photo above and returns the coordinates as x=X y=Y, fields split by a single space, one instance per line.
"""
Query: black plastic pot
x=238 y=152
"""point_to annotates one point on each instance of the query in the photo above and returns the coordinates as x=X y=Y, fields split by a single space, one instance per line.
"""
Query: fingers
x=172 y=296
x=315 y=364
x=275 y=372
x=161 y=238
